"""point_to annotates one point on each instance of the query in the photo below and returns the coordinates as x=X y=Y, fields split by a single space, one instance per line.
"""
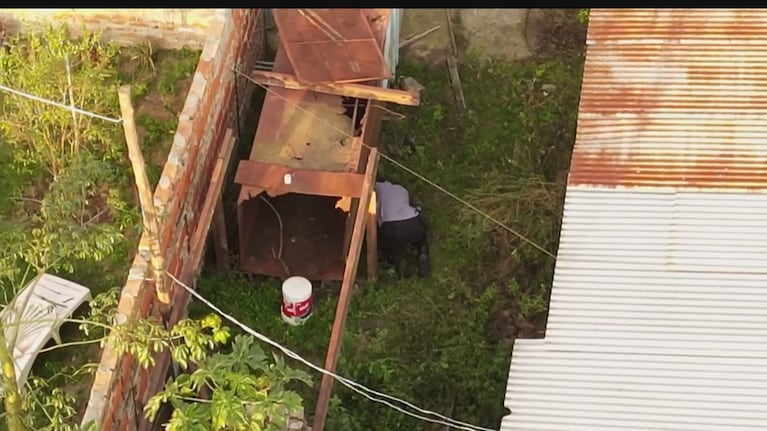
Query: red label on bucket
x=297 y=309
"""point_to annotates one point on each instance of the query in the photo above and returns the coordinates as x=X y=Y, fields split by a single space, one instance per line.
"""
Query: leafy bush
x=62 y=197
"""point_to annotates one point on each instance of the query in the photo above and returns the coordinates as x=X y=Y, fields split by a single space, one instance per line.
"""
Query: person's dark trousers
x=396 y=236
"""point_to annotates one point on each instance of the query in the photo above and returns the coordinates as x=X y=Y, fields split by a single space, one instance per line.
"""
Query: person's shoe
x=424 y=268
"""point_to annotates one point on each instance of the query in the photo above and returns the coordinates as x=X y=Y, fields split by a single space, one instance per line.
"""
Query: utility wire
x=60 y=105
x=406 y=169
x=354 y=386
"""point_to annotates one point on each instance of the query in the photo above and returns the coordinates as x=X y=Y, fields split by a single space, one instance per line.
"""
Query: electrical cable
x=408 y=170
x=354 y=386
x=60 y=105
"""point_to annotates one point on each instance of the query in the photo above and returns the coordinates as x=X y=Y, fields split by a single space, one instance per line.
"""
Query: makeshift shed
x=318 y=123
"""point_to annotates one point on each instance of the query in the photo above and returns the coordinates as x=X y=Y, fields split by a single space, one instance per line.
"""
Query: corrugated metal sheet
x=658 y=317
x=658 y=314
x=391 y=44
x=674 y=97
x=594 y=391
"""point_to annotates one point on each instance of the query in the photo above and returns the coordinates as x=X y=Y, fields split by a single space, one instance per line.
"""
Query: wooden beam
x=372 y=239
x=148 y=211
x=200 y=234
x=350 y=271
x=219 y=236
x=452 y=65
x=272 y=179
x=360 y=91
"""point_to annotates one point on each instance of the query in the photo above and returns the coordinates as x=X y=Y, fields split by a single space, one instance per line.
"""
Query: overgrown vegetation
x=67 y=203
x=445 y=342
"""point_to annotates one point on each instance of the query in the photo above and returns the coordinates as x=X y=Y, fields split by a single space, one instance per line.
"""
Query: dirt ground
x=487 y=33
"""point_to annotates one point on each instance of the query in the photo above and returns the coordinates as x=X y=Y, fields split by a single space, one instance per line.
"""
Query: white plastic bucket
x=296 y=300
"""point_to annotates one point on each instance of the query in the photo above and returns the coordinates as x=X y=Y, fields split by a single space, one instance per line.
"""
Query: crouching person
x=400 y=228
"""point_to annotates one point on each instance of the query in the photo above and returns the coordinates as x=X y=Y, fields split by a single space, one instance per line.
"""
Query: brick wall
x=121 y=388
x=165 y=28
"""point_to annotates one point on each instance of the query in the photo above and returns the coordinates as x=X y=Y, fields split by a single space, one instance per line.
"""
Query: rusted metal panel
x=331 y=45
x=271 y=178
x=674 y=98
x=305 y=239
x=304 y=131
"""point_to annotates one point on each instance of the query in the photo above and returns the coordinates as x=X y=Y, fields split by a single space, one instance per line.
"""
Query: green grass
x=444 y=343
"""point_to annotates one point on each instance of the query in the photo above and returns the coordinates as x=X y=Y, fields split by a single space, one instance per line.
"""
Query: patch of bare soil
x=495 y=33
x=487 y=33
x=432 y=47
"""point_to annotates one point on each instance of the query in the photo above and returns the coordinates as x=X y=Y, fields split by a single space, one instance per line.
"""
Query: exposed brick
x=210 y=50
x=162 y=26
x=142 y=381
x=146 y=302
x=116 y=396
x=109 y=419
x=126 y=367
x=208 y=111
x=125 y=424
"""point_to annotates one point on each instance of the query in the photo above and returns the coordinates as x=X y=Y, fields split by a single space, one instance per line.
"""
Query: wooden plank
x=455 y=81
x=350 y=271
x=360 y=91
x=213 y=195
x=372 y=239
x=148 y=211
x=452 y=64
x=192 y=264
x=271 y=178
x=416 y=37
x=219 y=236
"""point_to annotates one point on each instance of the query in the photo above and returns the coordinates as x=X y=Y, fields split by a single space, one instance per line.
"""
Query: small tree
x=59 y=206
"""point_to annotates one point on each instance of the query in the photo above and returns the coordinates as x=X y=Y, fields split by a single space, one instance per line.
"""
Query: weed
x=175 y=66
x=144 y=57
x=157 y=137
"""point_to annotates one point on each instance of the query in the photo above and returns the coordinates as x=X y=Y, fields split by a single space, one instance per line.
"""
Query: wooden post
x=452 y=64
x=201 y=231
x=350 y=271
x=219 y=236
x=207 y=213
x=372 y=239
x=350 y=218
x=148 y=211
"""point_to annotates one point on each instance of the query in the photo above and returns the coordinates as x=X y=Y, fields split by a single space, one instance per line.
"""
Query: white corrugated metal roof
x=658 y=314
x=658 y=317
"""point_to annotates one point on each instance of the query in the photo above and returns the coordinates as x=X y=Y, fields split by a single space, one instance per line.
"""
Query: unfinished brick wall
x=164 y=28
x=121 y=387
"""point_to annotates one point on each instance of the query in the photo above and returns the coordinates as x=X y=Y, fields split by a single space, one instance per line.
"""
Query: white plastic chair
x=53 y=299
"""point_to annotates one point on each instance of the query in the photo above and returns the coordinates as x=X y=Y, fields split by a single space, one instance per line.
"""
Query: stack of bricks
x=121 y=387
x=164 y=28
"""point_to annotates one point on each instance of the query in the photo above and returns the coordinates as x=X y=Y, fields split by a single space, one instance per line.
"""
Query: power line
x=60 y=105
x=408 y=170
x=354 y=386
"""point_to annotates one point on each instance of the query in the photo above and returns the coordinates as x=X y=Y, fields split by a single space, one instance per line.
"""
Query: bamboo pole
x=148 y=211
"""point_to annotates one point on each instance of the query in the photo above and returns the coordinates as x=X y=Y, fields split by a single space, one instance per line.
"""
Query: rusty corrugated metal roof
x=674 y=97
x=332 y=45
